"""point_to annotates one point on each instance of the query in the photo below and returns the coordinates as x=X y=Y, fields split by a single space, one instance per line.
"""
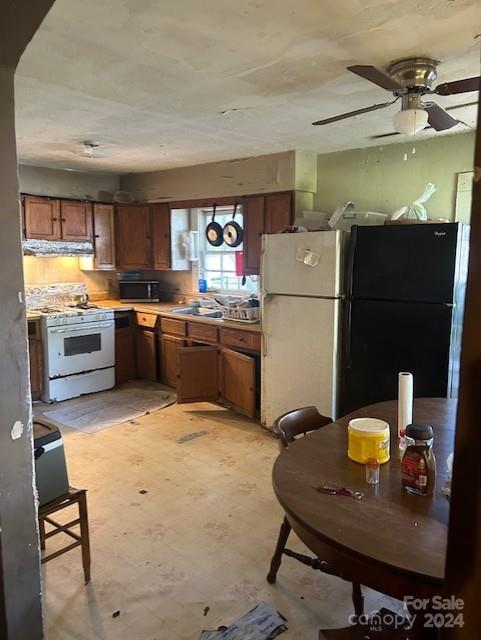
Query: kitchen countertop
x=164 y=309
x=33 y=315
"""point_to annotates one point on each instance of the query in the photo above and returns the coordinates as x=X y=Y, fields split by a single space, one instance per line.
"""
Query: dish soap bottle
x=418 y=465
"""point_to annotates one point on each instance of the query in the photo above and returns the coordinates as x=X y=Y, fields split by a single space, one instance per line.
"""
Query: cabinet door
x=278 y=212
x=76 y=220
x=146 y=351
x=42 y=218
x=133 y=232
x=253 y=214
x=238 y=381
x=35 y=357
x=125 y=368
x=197 y=374
x=169 y=348
x=104 y=240
x=161 y=236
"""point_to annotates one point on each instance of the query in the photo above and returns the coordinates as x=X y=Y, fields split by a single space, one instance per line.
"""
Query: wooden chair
x=74 y=497
x=288 y=428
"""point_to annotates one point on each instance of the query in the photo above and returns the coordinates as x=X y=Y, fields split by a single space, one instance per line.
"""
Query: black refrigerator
x=403 y=311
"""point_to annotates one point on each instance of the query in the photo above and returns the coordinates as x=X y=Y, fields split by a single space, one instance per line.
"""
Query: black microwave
x=139 y=291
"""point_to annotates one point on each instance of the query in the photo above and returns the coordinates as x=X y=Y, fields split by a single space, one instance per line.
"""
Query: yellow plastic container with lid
x=368 y=438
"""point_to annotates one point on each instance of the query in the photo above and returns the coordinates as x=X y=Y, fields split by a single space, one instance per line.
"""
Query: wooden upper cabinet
x=161 y=236
x=278 y=212
x=197 y=374
x=104 y=238
x=76 y=220
x=133 y=232
x=42 y=218
x=253 y=215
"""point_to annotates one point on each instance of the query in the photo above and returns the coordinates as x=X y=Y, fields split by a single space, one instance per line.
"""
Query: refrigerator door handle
x=265 y=298
x=350 y=261
x=347 y=333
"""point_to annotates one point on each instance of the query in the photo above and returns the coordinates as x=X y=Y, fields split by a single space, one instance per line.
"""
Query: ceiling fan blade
x=459 y=86
x=368 y=72
x=438 y=118
x=379 y=136
x=451 y=108
x=474 y=103
x=357 y=112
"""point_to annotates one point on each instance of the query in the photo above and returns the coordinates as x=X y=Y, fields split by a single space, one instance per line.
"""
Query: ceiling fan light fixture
x=410 y=121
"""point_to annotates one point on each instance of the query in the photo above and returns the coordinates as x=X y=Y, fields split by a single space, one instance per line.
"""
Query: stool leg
x=84 y=534
x=277 y=557
x=358 y=599
x=41 y=531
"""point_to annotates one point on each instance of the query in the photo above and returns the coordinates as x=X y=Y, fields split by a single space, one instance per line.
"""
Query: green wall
x=380 y=179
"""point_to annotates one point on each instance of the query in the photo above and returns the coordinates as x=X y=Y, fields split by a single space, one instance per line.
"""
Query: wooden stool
x=74 y=496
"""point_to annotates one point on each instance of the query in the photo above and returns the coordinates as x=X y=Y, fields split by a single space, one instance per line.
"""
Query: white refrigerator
x=302 y=286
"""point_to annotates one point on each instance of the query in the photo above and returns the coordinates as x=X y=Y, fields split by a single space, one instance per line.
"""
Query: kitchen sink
x=202 y=312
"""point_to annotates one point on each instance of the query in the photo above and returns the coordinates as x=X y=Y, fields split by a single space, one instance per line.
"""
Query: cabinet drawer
x=202 y=332
x=148 y=320
x=175 y=327
x=241 y=339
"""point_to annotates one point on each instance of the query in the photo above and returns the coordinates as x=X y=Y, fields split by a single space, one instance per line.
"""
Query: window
x=218 y=264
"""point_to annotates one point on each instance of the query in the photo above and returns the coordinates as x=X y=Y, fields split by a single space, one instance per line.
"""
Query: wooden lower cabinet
x=207 y=373
x=237 y=378
x=169 y=347
x=125 y=368
x=202 y=362
x=146 y=351
x=197 y=371
x=36 y=371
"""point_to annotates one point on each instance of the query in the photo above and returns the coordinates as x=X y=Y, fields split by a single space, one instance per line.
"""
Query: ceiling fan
x=91 y=149
x=453 y=107
x=410 y=79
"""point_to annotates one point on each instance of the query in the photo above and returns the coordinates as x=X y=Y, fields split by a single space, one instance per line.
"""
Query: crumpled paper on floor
x=260 y=623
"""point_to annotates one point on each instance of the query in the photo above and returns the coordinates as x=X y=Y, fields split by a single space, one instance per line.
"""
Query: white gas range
x=79 y=350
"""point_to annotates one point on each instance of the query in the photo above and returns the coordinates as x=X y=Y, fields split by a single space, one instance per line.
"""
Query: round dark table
x=391 y=541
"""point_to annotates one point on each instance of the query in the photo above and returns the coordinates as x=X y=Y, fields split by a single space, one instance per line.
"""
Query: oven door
x=79 y=348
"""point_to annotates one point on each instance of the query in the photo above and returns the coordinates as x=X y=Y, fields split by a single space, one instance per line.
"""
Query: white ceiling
x=166 y=83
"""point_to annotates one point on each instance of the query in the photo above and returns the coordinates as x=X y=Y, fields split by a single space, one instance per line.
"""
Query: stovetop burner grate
x=47 y=309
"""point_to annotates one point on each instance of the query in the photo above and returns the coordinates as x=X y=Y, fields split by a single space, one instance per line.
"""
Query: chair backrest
x=298 y=422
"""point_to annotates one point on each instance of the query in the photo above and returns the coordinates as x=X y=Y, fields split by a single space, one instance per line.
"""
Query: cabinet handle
x=96 y=235
x=54 y=219
x=63 y=219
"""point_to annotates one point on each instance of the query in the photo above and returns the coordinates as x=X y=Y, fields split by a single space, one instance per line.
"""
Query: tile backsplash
x=46 y=271
x=52 y=294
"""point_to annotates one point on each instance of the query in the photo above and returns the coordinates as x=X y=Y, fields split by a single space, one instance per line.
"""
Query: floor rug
x=97 y=411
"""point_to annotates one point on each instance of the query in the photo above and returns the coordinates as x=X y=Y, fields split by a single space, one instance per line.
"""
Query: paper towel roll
x=405 y=401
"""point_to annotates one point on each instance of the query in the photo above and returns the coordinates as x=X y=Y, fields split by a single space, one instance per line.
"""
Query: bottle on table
x=418 y=465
